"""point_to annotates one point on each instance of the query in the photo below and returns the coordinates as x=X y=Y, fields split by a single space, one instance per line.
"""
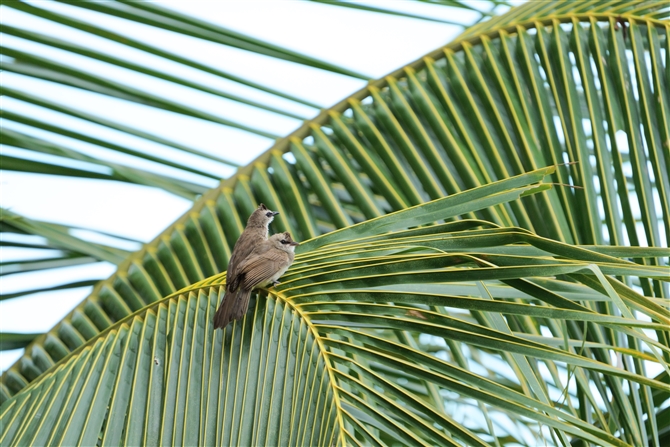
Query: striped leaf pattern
x=187 y=176
x=329 y=356
x=565 y=10
x=590 y=91
x=522 y=316
x=168 y=379
x=64 y=60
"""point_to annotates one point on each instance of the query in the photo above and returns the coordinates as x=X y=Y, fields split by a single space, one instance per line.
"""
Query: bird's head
x=261 y=217
x=284 y=241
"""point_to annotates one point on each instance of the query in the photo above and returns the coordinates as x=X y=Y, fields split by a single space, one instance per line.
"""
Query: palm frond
x=478 y=110
x=52 y=137
x=329 y=356
x=58 y=237
x=518 y=315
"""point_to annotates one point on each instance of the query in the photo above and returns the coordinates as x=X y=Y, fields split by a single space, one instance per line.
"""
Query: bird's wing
x=243 y=247
x=240 y=251
x=250 y=242
x=238 y=274
x=259 y=269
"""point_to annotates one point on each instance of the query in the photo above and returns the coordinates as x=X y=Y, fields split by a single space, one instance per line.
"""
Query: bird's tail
x=233 y=307
x=222 y=315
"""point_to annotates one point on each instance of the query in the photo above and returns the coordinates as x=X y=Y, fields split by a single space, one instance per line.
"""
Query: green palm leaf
x=333 y=343
x=510 y=309
x=441 y=126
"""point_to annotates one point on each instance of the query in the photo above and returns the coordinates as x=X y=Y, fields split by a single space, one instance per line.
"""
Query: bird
x=254 y=234
x=264 y=266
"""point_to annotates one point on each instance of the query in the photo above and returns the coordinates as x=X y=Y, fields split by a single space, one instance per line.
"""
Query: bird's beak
x=274 y=213
x=294 y=244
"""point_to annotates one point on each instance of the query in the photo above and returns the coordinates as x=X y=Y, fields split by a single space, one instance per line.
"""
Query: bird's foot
x=275 y=283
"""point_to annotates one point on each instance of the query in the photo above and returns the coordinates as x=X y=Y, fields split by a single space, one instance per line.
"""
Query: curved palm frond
x=564 y=11
x=331 y=357
x=152 y=16
x=478 y=110
x=514 y=313
x=54 y=247
x=72 y=47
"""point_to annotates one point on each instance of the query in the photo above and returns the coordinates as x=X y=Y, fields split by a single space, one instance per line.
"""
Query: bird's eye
x=268 y=214
x=284 y=241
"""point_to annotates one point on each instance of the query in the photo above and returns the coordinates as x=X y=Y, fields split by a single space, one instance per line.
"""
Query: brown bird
x=255 y=233
x=264 y=266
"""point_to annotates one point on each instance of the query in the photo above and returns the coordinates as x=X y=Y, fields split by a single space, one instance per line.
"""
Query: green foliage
x=416 y=313
x=331 y=355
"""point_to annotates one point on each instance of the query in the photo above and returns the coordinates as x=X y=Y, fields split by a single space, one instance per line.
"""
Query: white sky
x=372 y=44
